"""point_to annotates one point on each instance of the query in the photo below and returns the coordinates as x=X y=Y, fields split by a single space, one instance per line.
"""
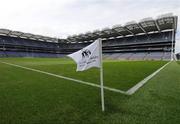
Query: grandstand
x=149 y=39
x=178 y=56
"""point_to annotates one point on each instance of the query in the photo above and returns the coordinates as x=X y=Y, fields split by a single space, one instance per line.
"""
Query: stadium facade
x=149 y=39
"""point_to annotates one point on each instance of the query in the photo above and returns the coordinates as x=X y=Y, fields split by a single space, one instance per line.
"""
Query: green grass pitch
x=31 y=97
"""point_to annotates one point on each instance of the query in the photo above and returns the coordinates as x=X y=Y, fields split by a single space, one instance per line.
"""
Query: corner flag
x=88 y=57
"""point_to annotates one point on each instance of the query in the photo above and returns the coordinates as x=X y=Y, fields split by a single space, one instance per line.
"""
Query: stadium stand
x=149 y=39
x=178 y=56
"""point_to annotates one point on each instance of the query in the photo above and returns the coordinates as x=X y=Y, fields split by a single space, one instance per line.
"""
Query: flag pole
x=101 y=74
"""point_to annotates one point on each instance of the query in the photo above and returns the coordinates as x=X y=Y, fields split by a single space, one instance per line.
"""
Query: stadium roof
x=11 y=33
x=147 y=25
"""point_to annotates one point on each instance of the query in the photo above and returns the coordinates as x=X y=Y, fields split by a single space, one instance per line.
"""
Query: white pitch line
x=129 y=92
x=141 y=83
x=67 y=78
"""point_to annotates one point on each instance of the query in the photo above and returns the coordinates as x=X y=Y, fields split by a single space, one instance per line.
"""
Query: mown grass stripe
x=67 y=78
x=141 y=83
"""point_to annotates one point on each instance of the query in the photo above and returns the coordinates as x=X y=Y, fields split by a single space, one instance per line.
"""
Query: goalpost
x=173 y=56
x=172 y=46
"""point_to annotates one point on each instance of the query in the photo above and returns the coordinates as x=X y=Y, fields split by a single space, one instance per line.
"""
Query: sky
x=61 y=18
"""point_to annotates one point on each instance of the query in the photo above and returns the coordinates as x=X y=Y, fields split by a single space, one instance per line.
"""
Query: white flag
x=87 y=57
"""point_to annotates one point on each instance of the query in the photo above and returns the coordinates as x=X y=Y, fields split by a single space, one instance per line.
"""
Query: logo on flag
x=87 y=57
x=86 y=53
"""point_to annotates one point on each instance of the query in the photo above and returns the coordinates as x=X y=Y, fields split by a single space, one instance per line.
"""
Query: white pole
x=172 y=53
x=101 y=75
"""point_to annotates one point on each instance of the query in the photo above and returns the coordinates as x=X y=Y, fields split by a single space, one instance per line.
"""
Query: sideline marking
x=128 y=92
x=67 y=78
x=141 y=83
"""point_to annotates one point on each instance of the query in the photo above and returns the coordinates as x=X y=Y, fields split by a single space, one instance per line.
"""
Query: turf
x=178 y=62
x=30 y=97
x=117 y=74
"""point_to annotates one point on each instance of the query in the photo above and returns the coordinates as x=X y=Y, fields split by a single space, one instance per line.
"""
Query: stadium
x=148 y=39
x=39 y=83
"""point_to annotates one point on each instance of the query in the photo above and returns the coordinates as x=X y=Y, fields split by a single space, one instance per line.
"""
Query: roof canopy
x=144 y=26
x=11 y=33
